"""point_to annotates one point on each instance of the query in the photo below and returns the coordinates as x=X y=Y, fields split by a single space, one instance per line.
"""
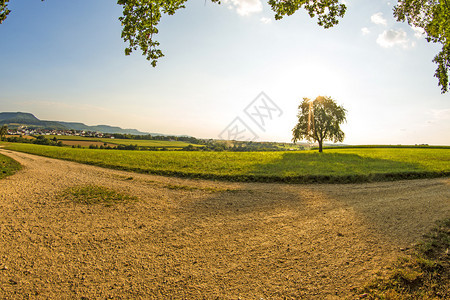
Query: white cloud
x=365 y=31
x=378 y=19
x=266 y=20
x=390 y=38
x=245 y=7
x=440 y=114
x=418 y=32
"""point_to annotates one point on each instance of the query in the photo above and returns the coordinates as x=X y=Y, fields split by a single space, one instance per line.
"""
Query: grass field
x=422 y=275
x=8 y=166
x=335 y=165
x=92 y=194
x=144 y=143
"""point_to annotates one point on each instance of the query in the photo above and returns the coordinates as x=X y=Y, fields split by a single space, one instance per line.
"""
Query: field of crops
x=144 y=143
x=334 y=165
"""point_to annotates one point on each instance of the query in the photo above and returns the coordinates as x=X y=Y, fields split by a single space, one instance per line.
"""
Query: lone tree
x=319 y=120
x=141 y=18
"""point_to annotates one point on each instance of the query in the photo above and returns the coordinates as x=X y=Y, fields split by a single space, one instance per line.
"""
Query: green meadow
x=8 y=166
x=334 y=165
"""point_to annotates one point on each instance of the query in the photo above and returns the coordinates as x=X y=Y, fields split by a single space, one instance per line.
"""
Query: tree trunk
x=320 y=146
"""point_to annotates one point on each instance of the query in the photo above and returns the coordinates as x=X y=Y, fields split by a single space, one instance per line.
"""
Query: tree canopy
x=319 y=120
x=433 y=16
x=141 y=18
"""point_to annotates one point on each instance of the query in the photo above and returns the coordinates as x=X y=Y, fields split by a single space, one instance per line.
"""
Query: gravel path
x=193 y=239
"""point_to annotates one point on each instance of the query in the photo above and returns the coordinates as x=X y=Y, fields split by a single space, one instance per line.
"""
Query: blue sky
x=64 y=60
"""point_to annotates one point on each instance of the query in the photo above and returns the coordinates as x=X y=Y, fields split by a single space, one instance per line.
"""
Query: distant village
x=25 y=130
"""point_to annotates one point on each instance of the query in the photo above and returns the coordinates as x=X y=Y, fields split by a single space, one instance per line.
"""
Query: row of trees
x=187 y=139
x=40 y=140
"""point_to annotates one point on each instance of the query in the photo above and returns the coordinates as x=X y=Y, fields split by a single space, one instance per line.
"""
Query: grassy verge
x=333 y=166
x=94 y=194
x=423 y=275
x=8 y=166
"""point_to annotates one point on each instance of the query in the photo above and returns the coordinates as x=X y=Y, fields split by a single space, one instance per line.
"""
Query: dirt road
x=191 y=239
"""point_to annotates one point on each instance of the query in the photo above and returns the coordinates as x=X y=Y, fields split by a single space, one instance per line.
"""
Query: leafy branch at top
x=139 y=21
x=141 y=18
x=433 y=16
x=4 y=11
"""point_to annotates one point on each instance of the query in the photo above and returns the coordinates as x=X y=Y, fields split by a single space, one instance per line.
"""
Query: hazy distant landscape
x=15 y=120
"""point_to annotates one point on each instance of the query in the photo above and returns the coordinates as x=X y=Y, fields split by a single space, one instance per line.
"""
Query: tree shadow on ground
x=336 y=168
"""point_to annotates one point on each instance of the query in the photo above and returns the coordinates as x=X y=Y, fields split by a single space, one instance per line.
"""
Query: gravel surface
x=194 y=239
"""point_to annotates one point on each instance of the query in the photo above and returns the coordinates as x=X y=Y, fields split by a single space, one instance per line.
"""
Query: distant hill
x=14 y=119
x=17 y=116
x=20 y=118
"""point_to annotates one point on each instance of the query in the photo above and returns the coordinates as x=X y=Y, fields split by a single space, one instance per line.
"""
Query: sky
x=64 y=60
